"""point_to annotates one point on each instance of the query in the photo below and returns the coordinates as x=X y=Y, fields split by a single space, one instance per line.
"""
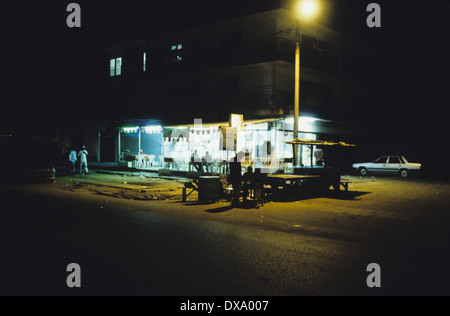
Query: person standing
x=73 y=160
x=248 y=180
x=236 y=177
x=83 y=160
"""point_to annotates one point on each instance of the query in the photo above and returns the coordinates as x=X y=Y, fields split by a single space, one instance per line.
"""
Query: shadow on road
x=342 y=195
x=220 y=209
x=193 y=203
x=331 y=194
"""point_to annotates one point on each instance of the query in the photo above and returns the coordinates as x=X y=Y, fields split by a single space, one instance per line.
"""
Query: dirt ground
x=388 y=197
x=124 y=185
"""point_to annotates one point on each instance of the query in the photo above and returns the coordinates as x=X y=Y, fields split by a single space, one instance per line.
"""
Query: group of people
x=243 y=184
x=73 y=158
x=202 y=163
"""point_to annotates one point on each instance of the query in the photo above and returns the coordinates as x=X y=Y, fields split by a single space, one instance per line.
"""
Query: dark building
x=243 y=65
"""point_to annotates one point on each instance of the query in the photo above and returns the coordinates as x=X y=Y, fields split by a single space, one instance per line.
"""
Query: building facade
x=243 y=65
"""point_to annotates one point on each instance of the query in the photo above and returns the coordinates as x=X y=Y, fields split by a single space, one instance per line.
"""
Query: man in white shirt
x=83 y=160
x=208 y=161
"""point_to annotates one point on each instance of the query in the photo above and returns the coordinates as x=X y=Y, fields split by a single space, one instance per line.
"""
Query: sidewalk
x=163 y=172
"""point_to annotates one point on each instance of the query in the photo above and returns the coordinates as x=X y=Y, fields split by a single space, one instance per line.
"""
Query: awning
x=318 y=143
x=218 y=124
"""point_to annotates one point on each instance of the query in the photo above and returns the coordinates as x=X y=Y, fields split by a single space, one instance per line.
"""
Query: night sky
x=398 y=74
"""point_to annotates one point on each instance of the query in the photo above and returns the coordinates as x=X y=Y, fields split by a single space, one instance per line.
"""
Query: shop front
x=207 y=147
x=140 y=147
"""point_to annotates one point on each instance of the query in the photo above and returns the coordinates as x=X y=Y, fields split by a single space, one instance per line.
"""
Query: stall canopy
x=319 y=148
x=319 y=143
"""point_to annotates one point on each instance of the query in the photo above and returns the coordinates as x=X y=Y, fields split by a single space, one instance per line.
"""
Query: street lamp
x=306 y=9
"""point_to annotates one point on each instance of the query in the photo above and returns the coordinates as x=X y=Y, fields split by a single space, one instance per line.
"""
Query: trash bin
x=209 y=188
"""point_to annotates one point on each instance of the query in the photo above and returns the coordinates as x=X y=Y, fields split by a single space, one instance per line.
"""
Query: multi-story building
x=243 y=65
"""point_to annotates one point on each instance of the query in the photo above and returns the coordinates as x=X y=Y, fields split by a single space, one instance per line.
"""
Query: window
x=177 y=47
x=177 y=54
x=144 y=62
x=381 y=160
x=394 y=160
x=118 y=66
x=112 y=67
x=115 y=67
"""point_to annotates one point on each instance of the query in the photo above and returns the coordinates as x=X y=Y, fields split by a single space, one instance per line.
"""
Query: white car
x=388 y=164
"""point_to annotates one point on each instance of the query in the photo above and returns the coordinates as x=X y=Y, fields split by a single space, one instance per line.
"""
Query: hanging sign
x=229 y=138
x=237 y=121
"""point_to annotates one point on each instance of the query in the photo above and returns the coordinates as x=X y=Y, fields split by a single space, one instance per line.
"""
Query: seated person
x=248 y=180
x=197 y=161
x=249 y=175
x=258 y=184
x=207 y=161
x=127 y=156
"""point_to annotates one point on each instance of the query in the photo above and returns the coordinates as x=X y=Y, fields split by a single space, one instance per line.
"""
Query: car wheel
x=363 y=171
x=404 y=173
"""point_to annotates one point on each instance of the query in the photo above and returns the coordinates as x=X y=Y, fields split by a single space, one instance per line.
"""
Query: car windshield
x=404 y=159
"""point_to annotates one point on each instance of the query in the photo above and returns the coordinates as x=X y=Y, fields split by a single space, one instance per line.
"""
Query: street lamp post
x=306 y=9
x=297 y=90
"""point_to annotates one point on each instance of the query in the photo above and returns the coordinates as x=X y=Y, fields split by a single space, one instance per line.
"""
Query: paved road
x=127 y=251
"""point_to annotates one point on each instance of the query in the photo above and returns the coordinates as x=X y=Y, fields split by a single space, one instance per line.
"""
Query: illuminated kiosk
x=140 y=147
x=261 y=140
x=265 y=143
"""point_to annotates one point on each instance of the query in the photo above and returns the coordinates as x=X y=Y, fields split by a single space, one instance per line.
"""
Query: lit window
x=177 y=54
x=118 y=66
x=112 y=67
x=145 y=62
x=115 y=67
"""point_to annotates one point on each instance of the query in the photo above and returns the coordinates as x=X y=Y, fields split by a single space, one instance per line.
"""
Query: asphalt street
x=123 y=249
